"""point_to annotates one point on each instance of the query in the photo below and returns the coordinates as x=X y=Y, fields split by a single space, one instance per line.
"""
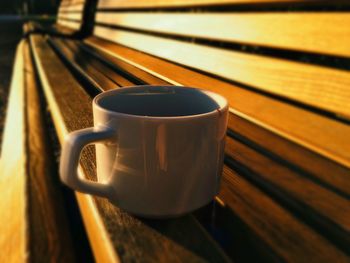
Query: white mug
x=159 y=149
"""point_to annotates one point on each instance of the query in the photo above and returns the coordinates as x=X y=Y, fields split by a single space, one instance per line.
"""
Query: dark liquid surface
x=160 y=102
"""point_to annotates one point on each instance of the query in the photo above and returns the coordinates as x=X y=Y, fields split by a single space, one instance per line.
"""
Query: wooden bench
x=283 y=66
x=74 y=20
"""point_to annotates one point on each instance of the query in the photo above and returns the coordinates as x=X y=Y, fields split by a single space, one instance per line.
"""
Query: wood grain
x=282 y=123
x=129 y=237
x=49 y=235
x=13 y=179
x=292 y=240
x=183 y=3
x=326 y=33
x=317 y=86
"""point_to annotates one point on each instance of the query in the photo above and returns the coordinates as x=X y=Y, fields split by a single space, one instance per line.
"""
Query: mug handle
x=74 y=143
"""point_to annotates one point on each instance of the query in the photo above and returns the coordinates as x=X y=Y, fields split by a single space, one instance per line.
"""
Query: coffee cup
x=159 y=149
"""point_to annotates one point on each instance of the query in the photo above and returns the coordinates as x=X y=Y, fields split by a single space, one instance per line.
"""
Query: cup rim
x=222 y=101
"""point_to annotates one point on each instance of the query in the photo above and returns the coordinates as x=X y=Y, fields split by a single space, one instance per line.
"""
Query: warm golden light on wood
x=13 y=226
x=296 y=31
x=97 y=234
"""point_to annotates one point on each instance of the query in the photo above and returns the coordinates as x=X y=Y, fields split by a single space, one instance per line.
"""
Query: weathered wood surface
x=120 y=4
x=316 y=198
x=267 y=121
x=326 y=33
x=305 y=83
x=113 y=233
x=49 y=234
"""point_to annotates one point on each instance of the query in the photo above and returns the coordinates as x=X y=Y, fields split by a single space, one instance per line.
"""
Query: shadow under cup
x=168 y=153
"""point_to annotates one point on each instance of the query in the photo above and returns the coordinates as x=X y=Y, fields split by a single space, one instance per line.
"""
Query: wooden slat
x=298 y=135
x=49 y=234
x=291 y=240
x=110 y=230
x=327 y=33
x=317 y=86
x=183 y=3
x=13 y=227
x=69 y=24
x=71 y=16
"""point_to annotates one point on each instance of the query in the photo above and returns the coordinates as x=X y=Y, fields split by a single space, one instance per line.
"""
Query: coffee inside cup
x=167 y=101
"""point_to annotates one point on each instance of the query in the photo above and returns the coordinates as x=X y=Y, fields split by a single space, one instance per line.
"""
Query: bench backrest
x=297 y=59
x=284 y=67
x=70 y=14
